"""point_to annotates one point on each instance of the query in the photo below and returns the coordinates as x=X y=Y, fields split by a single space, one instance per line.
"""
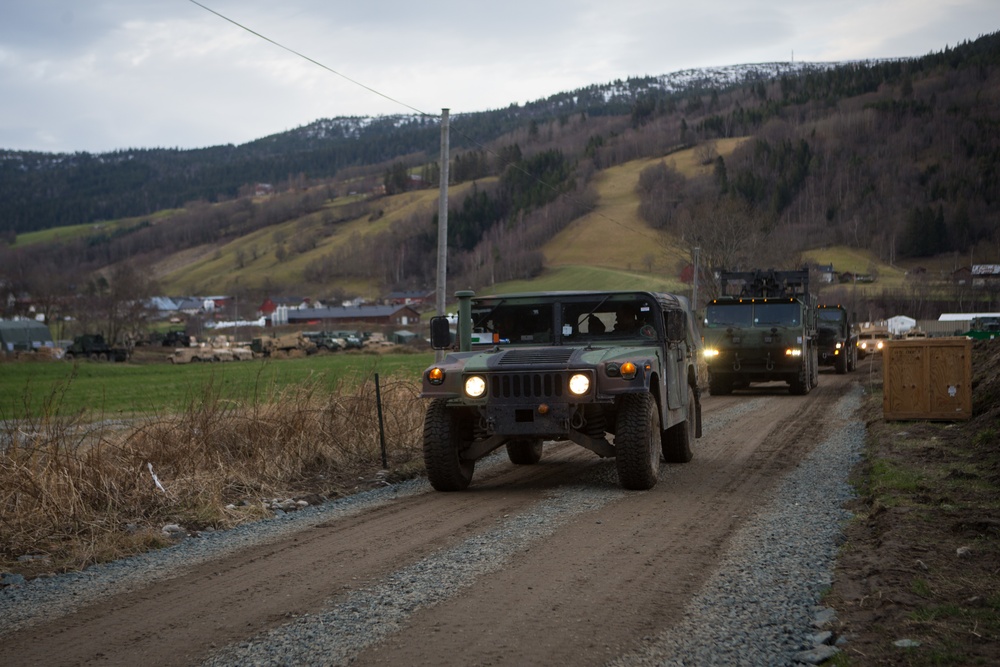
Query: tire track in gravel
x=607 y=579
x=603 y=575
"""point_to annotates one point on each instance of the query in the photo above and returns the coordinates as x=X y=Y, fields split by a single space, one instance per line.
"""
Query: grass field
x=95 y=390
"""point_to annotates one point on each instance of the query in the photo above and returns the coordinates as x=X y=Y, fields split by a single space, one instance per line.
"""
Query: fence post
x=381 y=428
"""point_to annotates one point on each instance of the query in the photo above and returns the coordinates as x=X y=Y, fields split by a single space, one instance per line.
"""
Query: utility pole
x=694 y=281
x=442 y=259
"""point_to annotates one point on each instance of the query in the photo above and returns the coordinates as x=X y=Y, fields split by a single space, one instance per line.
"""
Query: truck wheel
x=445 y=434
x=720 y=385
x=637 y=441
x=93 y=356
x=103 y=356
x=677 y=439
x=841 y=364
x=804 y=382
x=525 y=451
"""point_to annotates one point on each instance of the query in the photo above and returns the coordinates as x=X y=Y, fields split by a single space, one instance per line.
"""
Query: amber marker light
x=435 y=376
x=628 y=370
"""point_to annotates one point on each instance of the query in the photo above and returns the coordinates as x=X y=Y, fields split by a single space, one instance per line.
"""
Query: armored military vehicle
x=762 y=328
x=579 y=366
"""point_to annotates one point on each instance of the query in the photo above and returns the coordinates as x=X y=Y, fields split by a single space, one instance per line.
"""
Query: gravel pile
x=759 y=609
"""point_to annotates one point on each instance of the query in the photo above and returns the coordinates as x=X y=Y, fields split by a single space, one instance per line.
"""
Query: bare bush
x=77 y=493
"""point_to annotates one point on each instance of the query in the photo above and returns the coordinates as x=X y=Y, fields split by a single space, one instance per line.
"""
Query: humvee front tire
x=638 y=441
x=677 y=439
x=525 y=451
x=445 y=434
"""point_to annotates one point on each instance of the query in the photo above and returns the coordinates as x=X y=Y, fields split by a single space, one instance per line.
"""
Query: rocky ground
x=918 y=578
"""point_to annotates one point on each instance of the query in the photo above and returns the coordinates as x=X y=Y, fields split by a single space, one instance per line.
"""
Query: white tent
x=900 y=324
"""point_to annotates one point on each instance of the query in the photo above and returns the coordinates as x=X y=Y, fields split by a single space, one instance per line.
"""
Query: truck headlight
x=793 y=352
x=710 y=352
x=475 y=386
x=839 y=345
x=579 y=384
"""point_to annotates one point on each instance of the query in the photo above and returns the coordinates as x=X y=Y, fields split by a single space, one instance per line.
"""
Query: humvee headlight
x=628 y=370
x=793 y=352
x=710 y=352
x=839 y=345
x=579 y=384
x=475 y=386
x=879 y=345
x=435 y=375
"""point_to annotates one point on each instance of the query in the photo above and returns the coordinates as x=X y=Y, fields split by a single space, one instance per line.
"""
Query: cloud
x=147 y=73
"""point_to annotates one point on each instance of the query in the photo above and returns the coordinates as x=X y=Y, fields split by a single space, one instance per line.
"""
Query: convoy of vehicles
x=761 y=329
x=579 y=366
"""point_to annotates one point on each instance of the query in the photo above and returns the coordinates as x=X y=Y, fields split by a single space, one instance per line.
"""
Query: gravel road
x=722 y=563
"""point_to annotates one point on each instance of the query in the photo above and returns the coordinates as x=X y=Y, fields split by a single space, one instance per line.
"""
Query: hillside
x=874 y=167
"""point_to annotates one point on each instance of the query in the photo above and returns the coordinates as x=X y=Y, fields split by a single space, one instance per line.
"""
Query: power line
x=469 y=139
x=307 y=58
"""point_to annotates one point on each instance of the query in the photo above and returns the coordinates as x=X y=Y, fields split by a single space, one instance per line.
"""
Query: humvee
x=582 y=366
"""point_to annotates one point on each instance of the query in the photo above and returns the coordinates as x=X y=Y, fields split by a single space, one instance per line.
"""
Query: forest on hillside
x=899 y=157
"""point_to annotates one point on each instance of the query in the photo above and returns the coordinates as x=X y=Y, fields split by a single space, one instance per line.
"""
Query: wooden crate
x=927 y=378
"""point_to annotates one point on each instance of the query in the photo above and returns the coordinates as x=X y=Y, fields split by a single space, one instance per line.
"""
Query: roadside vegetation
x=77 y=482
x=918 y=578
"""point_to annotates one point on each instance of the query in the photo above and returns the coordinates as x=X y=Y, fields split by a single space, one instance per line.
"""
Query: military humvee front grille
x=543 y=355
x=527 y=385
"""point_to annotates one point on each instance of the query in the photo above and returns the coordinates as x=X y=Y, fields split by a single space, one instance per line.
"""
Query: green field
x=102 y=391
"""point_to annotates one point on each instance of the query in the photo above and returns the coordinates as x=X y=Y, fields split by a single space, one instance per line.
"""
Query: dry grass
x=72 y=494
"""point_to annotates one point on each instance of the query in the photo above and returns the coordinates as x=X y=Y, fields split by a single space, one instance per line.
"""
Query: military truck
x=282 y=346
x=762 y=328
x=837 y=338
x=581 y=366
x=95 y=348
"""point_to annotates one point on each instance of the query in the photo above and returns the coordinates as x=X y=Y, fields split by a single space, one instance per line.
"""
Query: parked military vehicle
x=984 y=328
x=762 y=328
x=284 y=345
x=95 y=348
x=576 y=366
x=837 y=338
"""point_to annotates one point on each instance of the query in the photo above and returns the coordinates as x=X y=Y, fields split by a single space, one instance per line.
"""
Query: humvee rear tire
x=638 y=441
x=525 y=451
x=677 y=439
x=445 y=434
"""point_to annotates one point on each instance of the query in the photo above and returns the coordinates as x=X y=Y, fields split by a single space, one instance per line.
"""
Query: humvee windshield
x=512 y=322
x=533 y=321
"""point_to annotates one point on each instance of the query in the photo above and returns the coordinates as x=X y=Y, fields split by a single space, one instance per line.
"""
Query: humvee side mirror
x=440 y=333
x=676 y=325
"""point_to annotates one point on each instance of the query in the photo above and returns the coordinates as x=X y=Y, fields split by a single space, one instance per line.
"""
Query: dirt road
x=605 y=578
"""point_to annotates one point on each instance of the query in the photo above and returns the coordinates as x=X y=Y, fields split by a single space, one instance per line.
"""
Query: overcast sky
x=102 y=75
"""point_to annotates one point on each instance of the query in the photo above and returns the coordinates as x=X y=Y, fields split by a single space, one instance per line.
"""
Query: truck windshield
x=831 y=315
x=782 y=314
x=728 y=315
